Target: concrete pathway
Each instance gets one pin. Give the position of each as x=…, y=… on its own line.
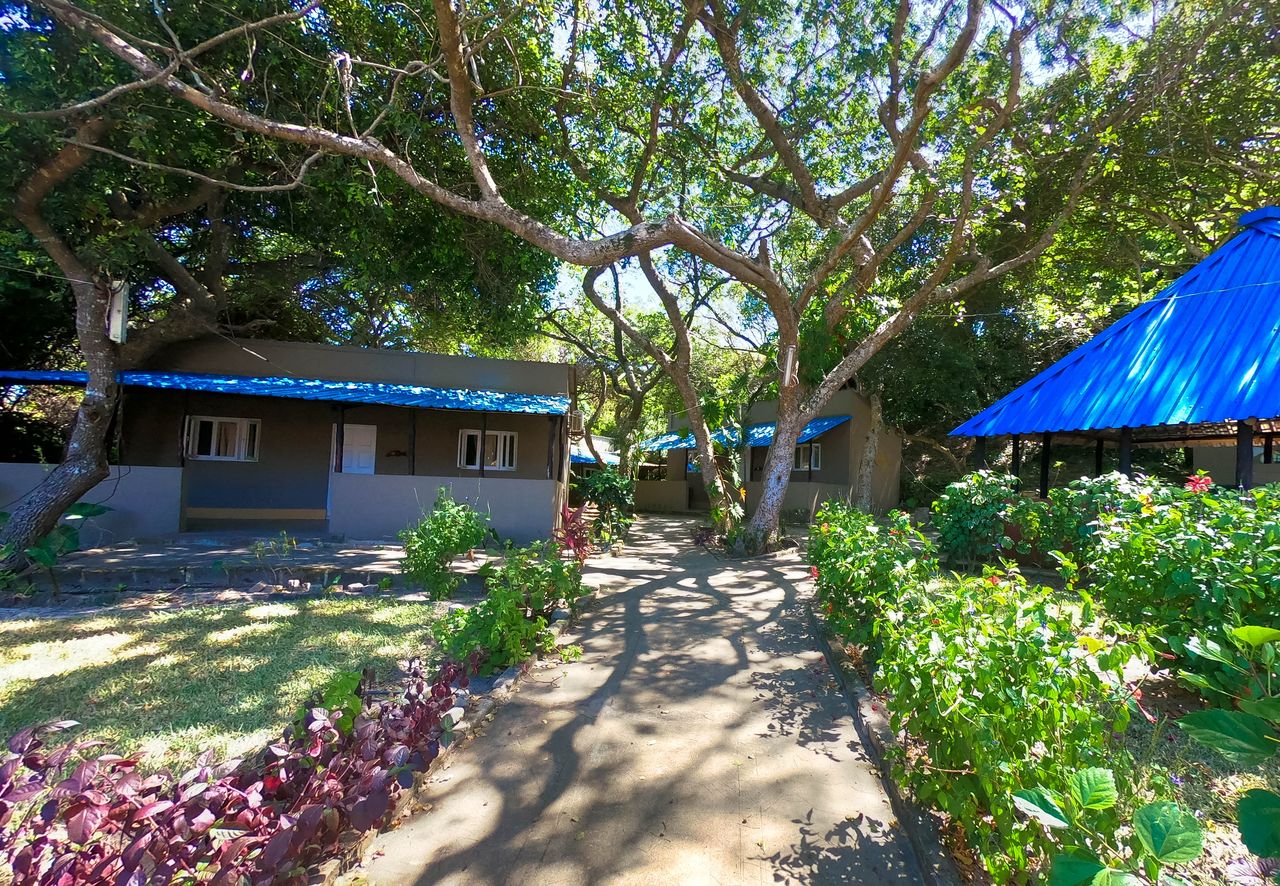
x=700, y=739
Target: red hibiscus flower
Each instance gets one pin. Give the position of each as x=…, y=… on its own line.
x=1198, y=483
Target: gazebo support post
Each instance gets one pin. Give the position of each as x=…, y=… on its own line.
x=1268, y=450
x=1244, y=455
x=1098, y=449
x=1015, y=458
x=980, y=454
x=1126, y=451
x=1045, y=448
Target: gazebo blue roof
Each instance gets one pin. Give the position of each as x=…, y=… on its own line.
x=1204, y=351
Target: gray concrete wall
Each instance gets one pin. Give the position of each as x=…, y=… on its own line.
x=661, y=496
x=371, y=506
x=1220, y=463
x=145, y=502
x=244, y=357
x=292, y=470
x=801, y=495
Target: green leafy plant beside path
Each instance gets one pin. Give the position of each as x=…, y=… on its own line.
x=512, y=621
x=1010, y=696
x=1084, y=821
x=451, y=529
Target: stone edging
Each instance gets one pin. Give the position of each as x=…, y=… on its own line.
x=470, y=709
x=873, y=728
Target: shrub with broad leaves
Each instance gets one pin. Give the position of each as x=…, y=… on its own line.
x=865, y=567
x=71, y=815
x=512, y=622
x=1001, y=687
x=1247, y=733
x=452, y=528
x=1084, y=821
x=969, y=515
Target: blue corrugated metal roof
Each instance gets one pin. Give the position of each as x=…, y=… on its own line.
x=1205, y=349
x=318, y=389
x=757, y=435
x=579, y=458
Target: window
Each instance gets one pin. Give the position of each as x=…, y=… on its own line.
x=499, y=450
x=808, y=457
x=223, y=439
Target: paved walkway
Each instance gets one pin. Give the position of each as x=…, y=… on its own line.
x=700, y=739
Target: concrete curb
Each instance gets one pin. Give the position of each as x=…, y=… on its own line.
x=473, y=709
x=873, y=727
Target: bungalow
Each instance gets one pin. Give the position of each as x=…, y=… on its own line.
x=253, y=435
x=827, y=460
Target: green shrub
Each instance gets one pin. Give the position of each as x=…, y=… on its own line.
x=1187, y=562
x=1247, y=736
x=862, y=567
x=1001, y=689
x=614, y=494
x=1083, y=820
x=452, y=528
x=970, y=515
x=982, y=518
x=512, y=622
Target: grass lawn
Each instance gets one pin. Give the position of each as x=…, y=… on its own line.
x=175, y=683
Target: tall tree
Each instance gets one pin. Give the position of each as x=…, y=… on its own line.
x=842, y=165
x=623, y=377
x=206, y=231
x=1182, y=172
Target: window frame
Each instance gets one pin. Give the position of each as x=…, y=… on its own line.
x=243, y=428
x=815, y=457
x=481, y=439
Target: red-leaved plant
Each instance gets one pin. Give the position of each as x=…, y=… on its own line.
x=574, y=535
x=69, y=818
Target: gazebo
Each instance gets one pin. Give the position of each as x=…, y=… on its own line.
x=1196, y=365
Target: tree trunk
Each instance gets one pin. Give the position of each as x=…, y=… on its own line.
x=762, y=531
x=85, y=464
x=864, y=489
x=626, y=436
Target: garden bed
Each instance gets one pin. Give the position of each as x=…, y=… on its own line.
x=1067, y=732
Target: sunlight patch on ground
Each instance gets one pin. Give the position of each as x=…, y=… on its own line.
x=230, y=635
x=271, y=610
x=221, y=677
x=34, y=661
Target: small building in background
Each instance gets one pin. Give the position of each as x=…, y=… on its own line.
x=583, y=462
x=1197, y=366
x=827, y=460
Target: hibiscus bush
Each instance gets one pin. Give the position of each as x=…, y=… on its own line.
x=982, y=517
x=970, y=515
x=75, y=815
x=863, y=567
x=1188, y=562
x=1001, y=688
